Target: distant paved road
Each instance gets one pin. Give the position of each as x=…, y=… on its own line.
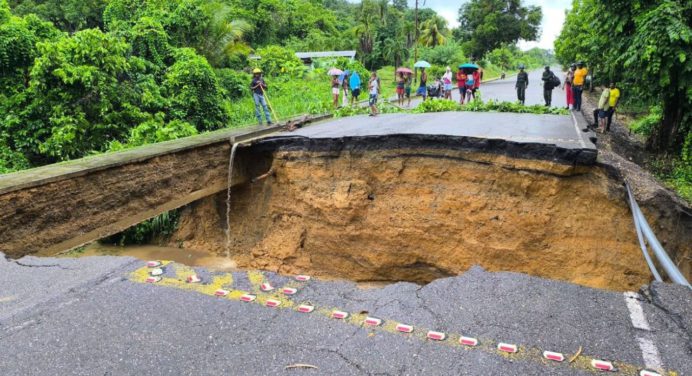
x=503, y=90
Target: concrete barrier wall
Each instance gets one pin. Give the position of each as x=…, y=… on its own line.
x=59, y=207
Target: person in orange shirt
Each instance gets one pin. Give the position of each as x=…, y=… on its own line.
x=578, y=84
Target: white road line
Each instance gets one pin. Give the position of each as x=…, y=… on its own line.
x=636, y=311
x=652, y=358
x=576, y=127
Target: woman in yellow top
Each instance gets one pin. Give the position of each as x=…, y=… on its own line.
x=578, y=84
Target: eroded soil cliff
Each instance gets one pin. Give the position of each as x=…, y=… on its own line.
x=417, y=215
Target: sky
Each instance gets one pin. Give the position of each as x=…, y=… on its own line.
x=553, y=17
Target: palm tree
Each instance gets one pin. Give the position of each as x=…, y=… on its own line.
x=394, y=50
x=223, y=37
x=432, y=32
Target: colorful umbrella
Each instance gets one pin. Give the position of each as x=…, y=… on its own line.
x=422, y=64
x=469, y=66
x=335, y=72
x=404, y=70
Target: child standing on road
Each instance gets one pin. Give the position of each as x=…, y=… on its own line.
x=374, y=87
x=400, y=89
x=407, y=89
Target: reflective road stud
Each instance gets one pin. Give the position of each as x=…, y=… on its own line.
x=221, y=292
x=155, y=272
x=468, y=341
x=602, y=365
x=506, y=347
x=272, y=303
x=558, y=357
x=194, y=279
x=248, y=298
x=153, y=264
x=153, y=279
x=436, y=336
x=339, y=315
x=289, y=291
x=373, y=321
x=302, y=278
x=306, y=308
x=404, y=328
x=646, y=372
x=266, y=287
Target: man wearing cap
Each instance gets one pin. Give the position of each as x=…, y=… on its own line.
x=578, y=84
x=522, y=84
x=258, y=87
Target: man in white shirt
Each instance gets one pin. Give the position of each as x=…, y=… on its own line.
x=374, y=87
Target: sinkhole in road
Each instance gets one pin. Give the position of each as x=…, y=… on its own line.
x=379, y=212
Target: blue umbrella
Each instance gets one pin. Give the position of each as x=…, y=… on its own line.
x=422, y=64
x=469, y=66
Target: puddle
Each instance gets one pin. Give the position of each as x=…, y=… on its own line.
x=152, y=252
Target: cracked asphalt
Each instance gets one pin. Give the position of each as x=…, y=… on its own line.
x=91, y=316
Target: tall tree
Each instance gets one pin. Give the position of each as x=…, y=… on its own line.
x=433, y=32
x=489, y=24
x=647, y=46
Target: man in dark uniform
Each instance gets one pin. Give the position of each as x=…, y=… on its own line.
x=547, y=86
x=522, y=84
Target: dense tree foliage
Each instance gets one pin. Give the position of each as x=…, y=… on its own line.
x=89, y=76
x=647, y=47
x=490, y=24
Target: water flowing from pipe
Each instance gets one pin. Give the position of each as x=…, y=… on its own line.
x=228, y=200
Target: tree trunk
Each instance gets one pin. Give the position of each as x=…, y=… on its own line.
x=668, y=137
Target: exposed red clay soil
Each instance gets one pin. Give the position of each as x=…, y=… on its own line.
x=391, y=215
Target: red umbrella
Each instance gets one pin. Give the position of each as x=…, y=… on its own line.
x=404, y=70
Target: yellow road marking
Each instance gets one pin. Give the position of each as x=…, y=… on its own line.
x=256, y=278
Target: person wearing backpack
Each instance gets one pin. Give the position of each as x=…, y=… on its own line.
x=549, y=83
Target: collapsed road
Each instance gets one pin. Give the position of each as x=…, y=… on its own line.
x=367, y=232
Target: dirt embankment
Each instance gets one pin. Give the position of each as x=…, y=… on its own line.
x=396, y=214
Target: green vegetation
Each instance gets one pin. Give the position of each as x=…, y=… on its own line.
x=490, y=24
x=84, y=77
x=488, y=106
x=157, y=228
x=646, y=46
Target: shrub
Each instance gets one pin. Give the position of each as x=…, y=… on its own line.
x=646, y=124
x=277, y=60
x=234, y=83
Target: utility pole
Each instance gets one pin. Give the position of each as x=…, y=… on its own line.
x=415, y=42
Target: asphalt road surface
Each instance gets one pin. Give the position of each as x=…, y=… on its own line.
x=503, y=91
x=558, y=130
x=98, y=316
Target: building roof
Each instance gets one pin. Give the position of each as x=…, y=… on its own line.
x=319, y=54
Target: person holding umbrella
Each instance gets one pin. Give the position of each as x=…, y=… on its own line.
x=335, y=90
x=403, y=85
x=400, y=88
x=423, y=87
x=258, y=87
x=472, y=80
